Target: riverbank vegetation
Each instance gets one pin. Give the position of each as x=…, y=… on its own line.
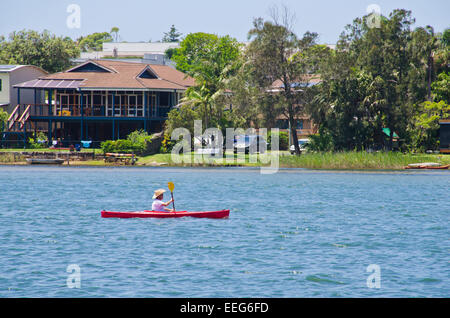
x=380, y=88
x=327, y=161
x=356, y=160
x=351, y=160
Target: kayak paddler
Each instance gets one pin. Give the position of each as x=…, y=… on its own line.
x=158, y=205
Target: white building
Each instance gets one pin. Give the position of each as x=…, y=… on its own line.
x=130, y=49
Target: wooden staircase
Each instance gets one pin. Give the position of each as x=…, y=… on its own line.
x=13, y=118
x=25, y=115
x=16, y=127
x=18, y=119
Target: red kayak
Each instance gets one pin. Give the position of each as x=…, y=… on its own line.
x=179, y=214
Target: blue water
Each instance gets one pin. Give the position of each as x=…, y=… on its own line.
x=297, y=233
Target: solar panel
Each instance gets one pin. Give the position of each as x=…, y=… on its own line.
x=7, y=67
x=50, y=83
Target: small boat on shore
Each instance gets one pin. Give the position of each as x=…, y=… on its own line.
x=427, y=165
x=42, y=161
x=152, y=214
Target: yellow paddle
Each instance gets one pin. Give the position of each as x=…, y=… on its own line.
x=171, y=187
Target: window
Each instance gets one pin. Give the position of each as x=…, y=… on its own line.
x=89, y=68
x=148, y=74
x=0, y=85
x=164, y=99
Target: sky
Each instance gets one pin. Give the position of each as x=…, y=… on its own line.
x=147, y=20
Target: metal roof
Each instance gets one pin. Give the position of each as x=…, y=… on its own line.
x=8, y=68
x=51, y=83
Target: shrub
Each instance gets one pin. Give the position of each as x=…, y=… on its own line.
x=38, y=143
x=283, y=138
x=136, y=142
x=321, y=142
x=139, y=138
x=167, y=144
x=120, y=146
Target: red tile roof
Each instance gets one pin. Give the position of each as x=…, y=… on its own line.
x=125, y=75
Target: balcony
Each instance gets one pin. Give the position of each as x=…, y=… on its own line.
x=74, y=110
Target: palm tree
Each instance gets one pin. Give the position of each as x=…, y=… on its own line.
x=115, y=33
x=200, y=97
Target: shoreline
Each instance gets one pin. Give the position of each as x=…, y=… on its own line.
x=346, y=161
x=281, y=168
x=241, y=168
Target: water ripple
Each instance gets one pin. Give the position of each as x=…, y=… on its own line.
x=298, y=233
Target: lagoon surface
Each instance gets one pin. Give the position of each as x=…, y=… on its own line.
x=297, y=233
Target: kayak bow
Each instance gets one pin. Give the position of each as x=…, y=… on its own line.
x=152, y=214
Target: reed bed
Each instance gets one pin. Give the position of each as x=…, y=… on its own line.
x=359, y=160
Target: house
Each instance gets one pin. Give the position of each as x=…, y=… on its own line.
x=304, y=124
x=11, y=75
x=99, y=100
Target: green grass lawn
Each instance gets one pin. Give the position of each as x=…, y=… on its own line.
x=196, y=160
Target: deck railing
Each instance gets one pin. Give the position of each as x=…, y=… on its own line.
x=127, y=111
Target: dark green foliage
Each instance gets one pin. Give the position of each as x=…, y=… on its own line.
x=43, y=49
x=211, y=60
x=118, y=146
x=136, y=143
x=376, y=79
x=167, y=144
x=172, y=36
x=94, y=41
x=322, y=142
x=283, y=140
x=3, y=119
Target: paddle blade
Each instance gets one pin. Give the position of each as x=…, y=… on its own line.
x=171, y=186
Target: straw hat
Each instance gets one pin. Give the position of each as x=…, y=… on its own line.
x=158, y=193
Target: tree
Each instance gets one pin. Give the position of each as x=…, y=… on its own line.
x=172, y=36
x=429, y=113
x=198, y=48
x=442, y=54
x=211, y=60
x=441, y=88
x=115, y=33
x=446, y=37
x=169, y=52
x=94, y=41
x=44, y=50
x=276, y=54
x=184, y=117
x=376, y=79
x=3, y=119
x=427, y=124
